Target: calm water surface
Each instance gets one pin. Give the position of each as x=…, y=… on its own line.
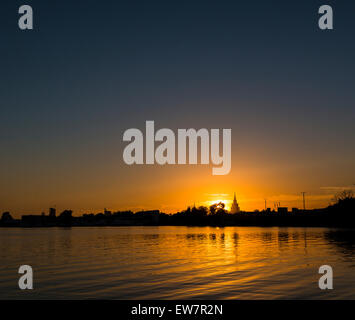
x=177, y=262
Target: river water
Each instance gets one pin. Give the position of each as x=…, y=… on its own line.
x=177, y=262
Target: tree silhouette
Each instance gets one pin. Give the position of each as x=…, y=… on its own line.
x=6, y=217
x=344, y=195
x=217, y=208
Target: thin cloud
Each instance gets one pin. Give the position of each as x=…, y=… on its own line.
x=334, y=189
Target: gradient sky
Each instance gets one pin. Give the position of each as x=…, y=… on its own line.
x=92, y=69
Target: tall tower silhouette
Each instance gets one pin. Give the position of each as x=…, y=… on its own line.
x=235, y=207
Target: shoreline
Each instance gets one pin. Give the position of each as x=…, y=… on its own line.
x=181, y=225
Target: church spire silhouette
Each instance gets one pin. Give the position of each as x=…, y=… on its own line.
x=235, y=206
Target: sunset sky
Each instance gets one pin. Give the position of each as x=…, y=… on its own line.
x=92, y=69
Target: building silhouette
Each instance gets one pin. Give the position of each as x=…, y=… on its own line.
x=235, y=206
x=52, y=212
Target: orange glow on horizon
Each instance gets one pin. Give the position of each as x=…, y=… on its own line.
x=225, y=201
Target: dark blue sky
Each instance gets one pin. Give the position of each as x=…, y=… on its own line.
x=91, y=69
